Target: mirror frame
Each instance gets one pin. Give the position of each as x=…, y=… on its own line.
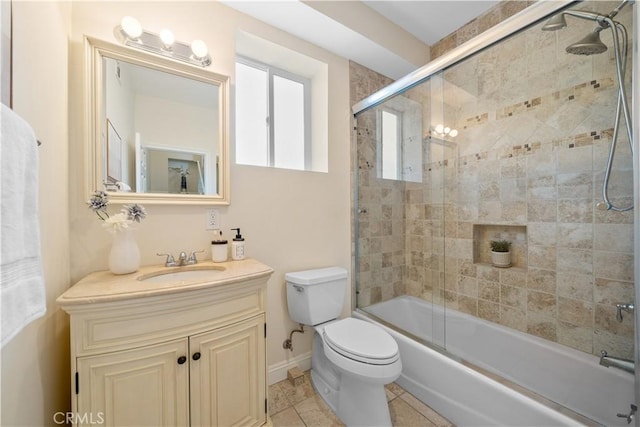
x=95, y=51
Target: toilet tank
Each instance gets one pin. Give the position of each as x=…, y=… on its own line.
x=316, y=296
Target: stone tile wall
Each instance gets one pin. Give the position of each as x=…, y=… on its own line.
x=535, y=125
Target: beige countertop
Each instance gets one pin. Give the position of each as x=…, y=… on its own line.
x=104, y=286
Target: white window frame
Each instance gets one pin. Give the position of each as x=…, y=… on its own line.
x=306, y=83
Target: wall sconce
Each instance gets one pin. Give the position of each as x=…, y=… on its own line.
x=442, y=130
x=131, y=33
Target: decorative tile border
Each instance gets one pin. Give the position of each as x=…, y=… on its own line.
x=568, y=94
x=573, y=141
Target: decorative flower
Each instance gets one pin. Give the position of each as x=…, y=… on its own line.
x=120, y=221
x=98, y=203
x=136, y=212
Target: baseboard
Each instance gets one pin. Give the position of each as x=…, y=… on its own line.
x=278, y=371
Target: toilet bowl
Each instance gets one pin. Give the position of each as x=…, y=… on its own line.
x=352, y=359
x=362, y=349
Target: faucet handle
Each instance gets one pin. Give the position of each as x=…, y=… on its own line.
x=192, y=258
x=630, y=415
x=170, y=262
x=629, y=307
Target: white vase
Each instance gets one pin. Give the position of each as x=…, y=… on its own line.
x=501, y=259
x=124, y=257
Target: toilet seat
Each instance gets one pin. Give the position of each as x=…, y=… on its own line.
x=361, y=341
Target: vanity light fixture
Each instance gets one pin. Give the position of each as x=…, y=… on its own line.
x=131, y=33
x=441, y=130
x=167, y=38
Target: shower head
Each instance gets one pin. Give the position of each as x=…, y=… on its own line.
x=557, y=22
x=589, y=45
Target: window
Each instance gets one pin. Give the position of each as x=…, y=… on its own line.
x=273, y=116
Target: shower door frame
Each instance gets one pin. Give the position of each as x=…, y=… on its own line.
x=532, y=14
x=635, y=118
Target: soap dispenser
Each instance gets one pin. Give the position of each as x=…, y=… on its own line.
x=237, y=246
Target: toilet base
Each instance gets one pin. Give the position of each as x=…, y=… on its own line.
x=361, y=404
x=355, y=402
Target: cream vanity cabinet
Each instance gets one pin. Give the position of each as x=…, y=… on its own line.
x=170, y=353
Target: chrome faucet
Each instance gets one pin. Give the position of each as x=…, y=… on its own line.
x=182, y=259
x=192, y=258
x=626, y=307
x=616, y=362
x=170, y=262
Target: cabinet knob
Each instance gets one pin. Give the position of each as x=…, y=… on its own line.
x=181, y=360
x=196, y=356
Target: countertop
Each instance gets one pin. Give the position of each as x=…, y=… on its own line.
x=104, y=286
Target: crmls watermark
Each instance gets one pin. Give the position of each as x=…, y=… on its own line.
x=79, y=418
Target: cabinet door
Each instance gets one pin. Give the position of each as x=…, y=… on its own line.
x=147, y=386
x=228, y=375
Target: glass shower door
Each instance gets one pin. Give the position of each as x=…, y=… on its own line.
x=398, y=217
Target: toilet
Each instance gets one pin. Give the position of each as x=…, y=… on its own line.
x=352, y=359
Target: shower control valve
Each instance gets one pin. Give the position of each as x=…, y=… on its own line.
x=623, y=307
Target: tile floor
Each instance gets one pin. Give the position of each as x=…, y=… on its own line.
x=300, y=406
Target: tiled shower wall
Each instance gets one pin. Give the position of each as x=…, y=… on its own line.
x=535, y=125
x=381, y=236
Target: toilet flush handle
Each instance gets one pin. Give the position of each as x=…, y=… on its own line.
x=298, y=288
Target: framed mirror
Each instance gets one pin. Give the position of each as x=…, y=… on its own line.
x=158, y=129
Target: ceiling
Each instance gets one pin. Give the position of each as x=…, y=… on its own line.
x=426, y=20
x=430, y=20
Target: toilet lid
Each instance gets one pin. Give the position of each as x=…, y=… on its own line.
x=362, y=341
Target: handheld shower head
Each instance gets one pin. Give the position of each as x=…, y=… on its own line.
x=589, y=45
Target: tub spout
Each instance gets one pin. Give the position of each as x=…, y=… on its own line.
x=616, y=362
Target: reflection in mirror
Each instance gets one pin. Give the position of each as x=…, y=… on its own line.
x=157, y=119
x=399, y=140
x=162, y=133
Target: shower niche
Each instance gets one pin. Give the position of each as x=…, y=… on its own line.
x=516, y=234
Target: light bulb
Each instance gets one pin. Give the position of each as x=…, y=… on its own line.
x=447, y=130
x=167, y=38
x=440, y=128
x=131, y=27
x=453, y=133
x=199, y=49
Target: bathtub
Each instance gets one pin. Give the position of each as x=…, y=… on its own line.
x=499, y=376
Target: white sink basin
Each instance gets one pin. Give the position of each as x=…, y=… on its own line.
x=182, y=274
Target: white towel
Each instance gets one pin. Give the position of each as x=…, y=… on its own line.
x=22, y=293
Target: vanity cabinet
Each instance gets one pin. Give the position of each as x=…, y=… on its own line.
x=143, y=386
x=170, y=354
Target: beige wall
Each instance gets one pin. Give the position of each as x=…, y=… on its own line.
x=35, y=364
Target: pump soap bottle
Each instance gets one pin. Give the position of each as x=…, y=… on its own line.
x=218, y=248
x=237, y=246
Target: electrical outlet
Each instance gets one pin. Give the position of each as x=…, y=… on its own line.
x=213, y=219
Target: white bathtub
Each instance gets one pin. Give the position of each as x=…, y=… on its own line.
x=568, y=377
